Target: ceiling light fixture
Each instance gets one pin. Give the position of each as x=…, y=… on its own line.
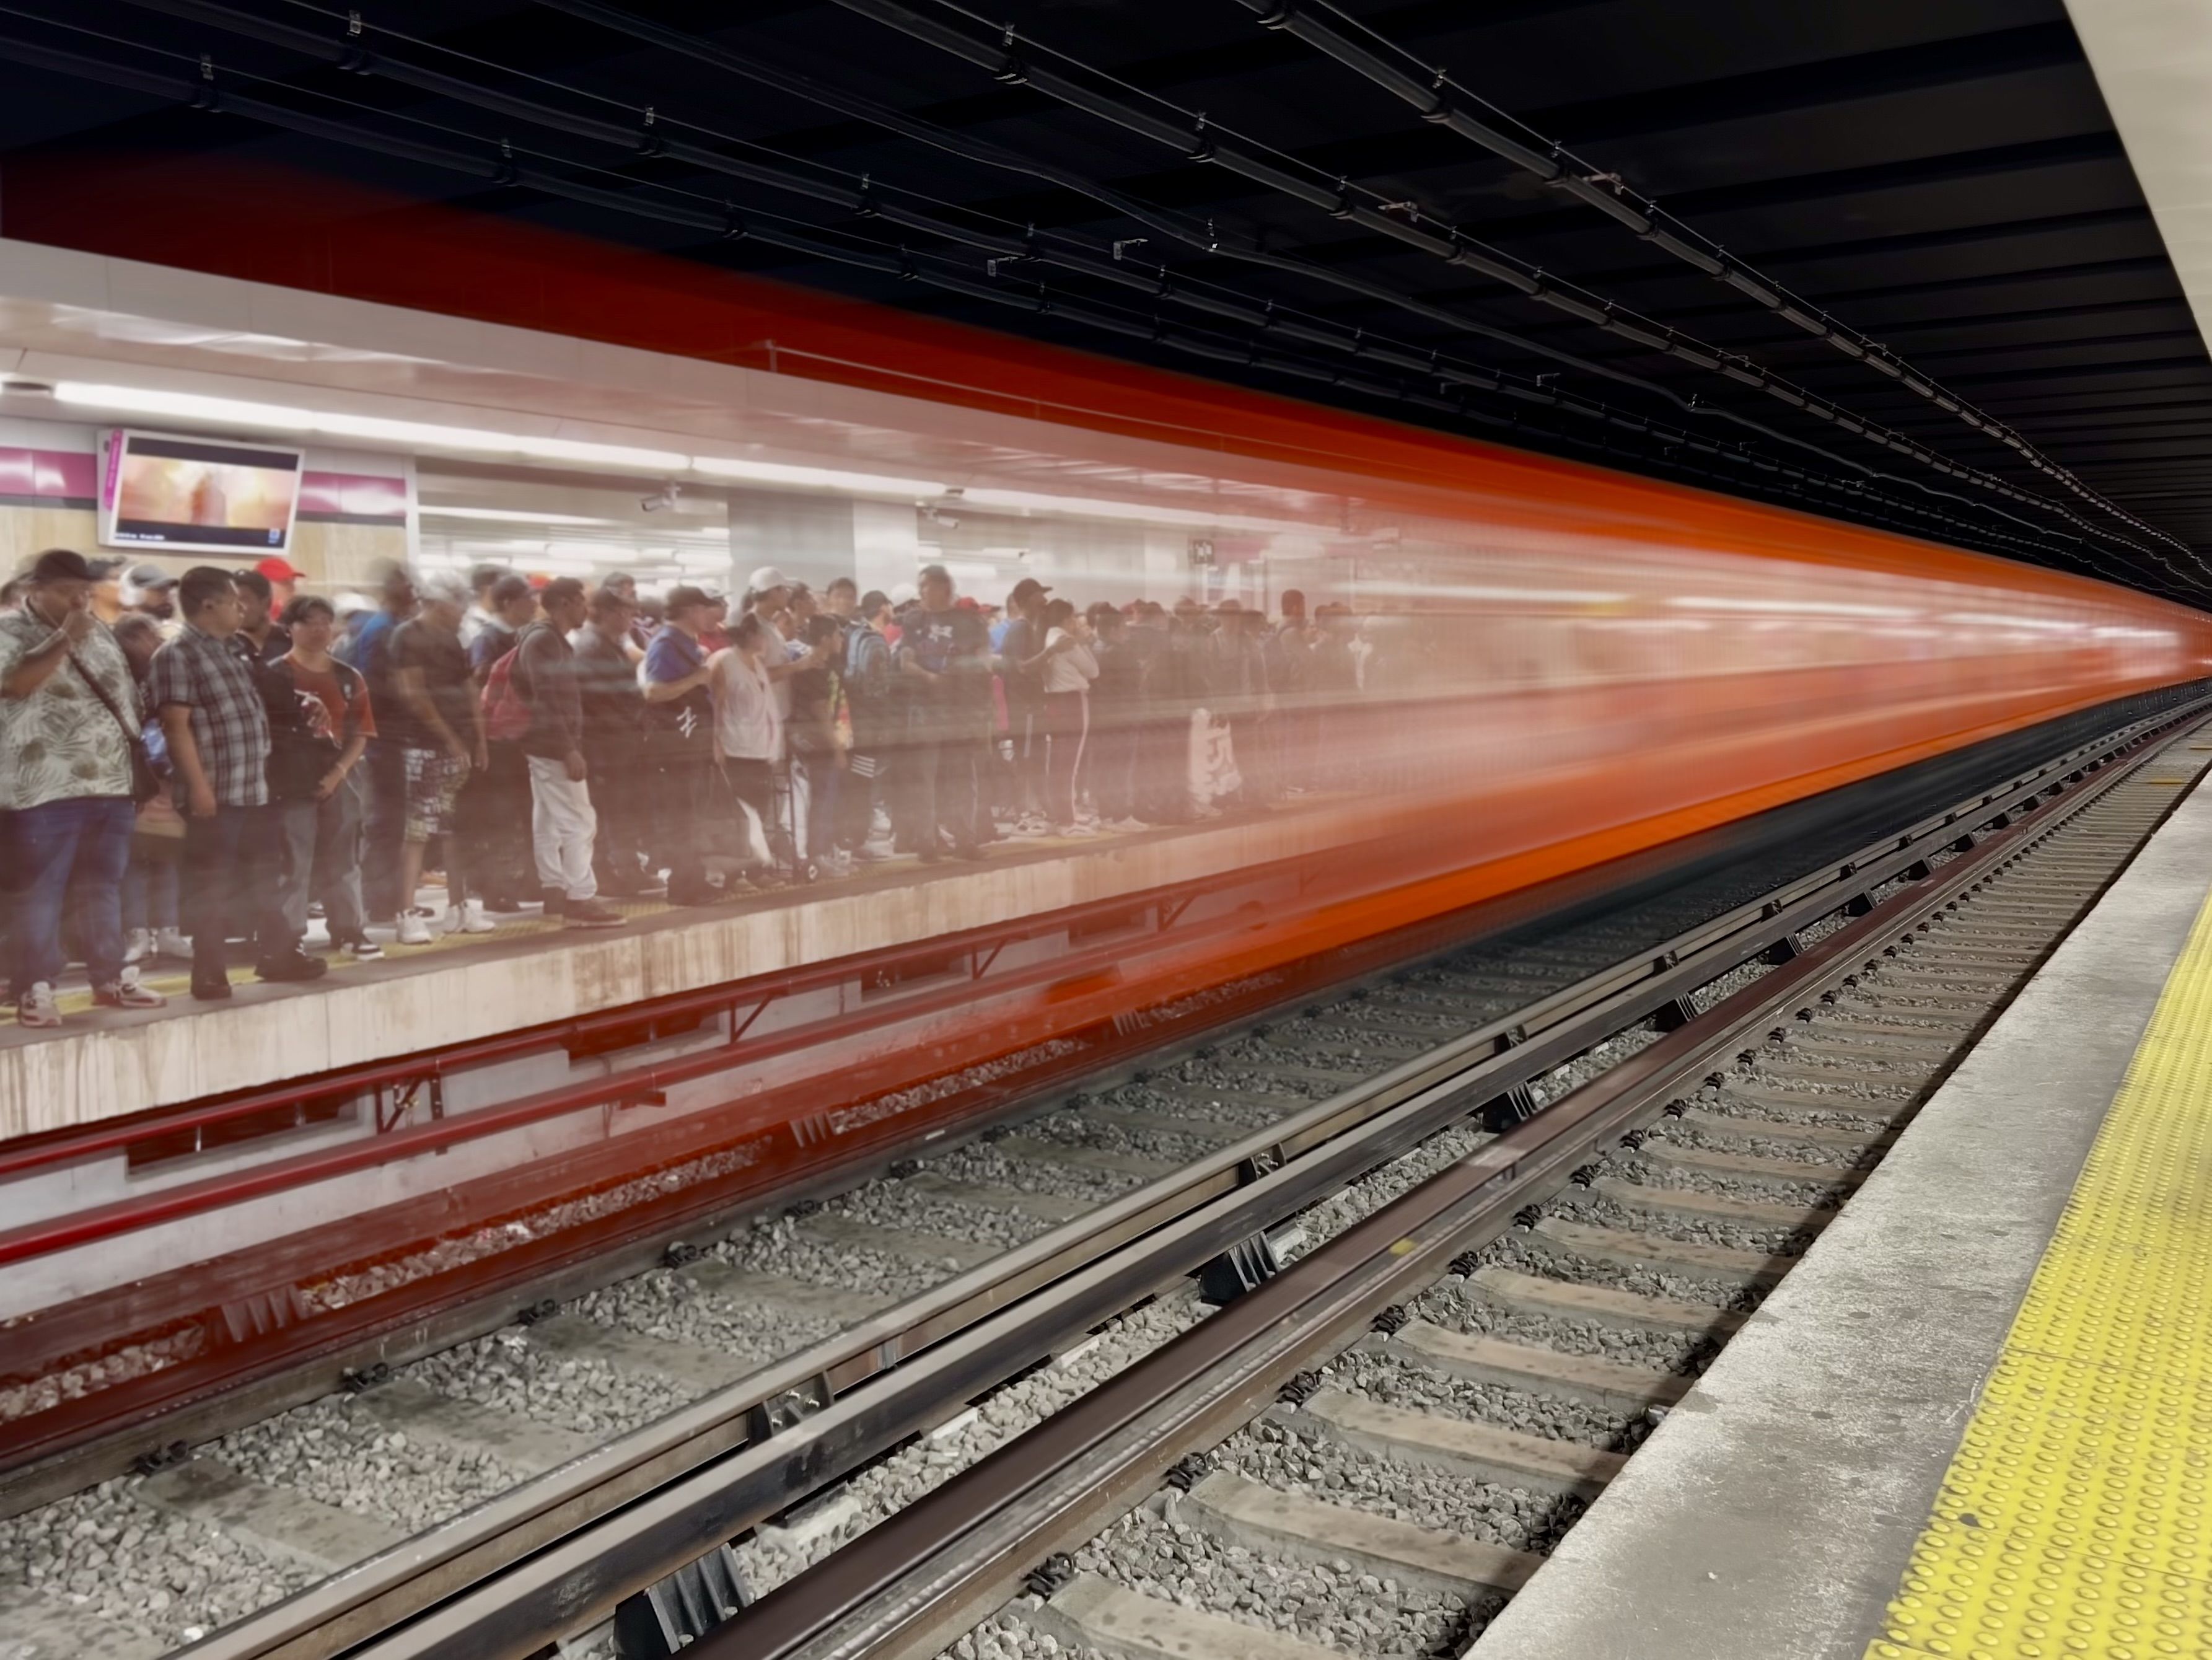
x=779, y=472
x=289, y=418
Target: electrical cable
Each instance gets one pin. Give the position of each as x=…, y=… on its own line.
x=717, y=219
x=1447, y=103
x=1200, y=140
x=351, y=53
x=1212, y=241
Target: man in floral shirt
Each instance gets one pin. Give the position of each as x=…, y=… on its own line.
x=68, y=718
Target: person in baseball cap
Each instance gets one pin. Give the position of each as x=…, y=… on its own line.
x=152, y=590
x=283, y=578
x=769, y=579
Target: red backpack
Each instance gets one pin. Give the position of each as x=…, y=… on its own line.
x=505, y=711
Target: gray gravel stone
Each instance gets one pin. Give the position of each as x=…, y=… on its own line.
x=1577, y=1206
x=1529, y=1254
x=1448, y=1305
x=1335, y=1605
x=889, y=1205
x=777, y=1246
x=159, y=1575
x=671, y=1305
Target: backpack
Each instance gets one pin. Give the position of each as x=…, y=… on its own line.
x=506, y=710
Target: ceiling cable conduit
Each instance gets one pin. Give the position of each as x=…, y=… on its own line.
x=723, y=222
x=1002, y=60
x=1212, y=240
x=1642, y=217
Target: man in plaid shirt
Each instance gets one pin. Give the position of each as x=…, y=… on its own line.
x=218, y=727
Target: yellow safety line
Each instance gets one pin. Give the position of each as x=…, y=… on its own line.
x=2075, y=1521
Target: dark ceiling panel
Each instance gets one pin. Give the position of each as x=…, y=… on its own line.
x=1940, y=175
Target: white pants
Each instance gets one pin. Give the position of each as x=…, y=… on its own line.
x=563, y=827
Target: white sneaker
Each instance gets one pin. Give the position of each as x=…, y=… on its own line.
x=413, y=930
x=1074, y=829
x=138, y=946
x=364, y=949
x=468, y=917
x=1130, y=825
x=173, y=942
x=36, y=1009
x=875, y=851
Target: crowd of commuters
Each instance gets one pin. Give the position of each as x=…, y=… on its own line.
x=195, y=766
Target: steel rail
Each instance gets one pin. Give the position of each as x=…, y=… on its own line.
x=583, y=1537
x=923, y=1576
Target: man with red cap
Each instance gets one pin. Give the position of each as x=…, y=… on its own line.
x=283, y=578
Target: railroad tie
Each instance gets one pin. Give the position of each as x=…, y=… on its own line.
x=1600, y=1382
x=274, y=1521
x=1093, y=1613
x=1669, y=1156
x=1461, y=1446
x=1242, y=1511
x=1638, y=1196
x=1656, y=1252
x=1568, y=1299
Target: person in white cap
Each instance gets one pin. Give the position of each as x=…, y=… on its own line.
x=153, y=591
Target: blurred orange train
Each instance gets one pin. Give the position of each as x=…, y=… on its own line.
x=1576, y=668
x=1590, y=665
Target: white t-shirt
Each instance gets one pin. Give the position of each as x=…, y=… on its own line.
x=1072, y=670
x=748, y=725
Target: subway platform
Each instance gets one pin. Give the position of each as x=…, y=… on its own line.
x=1975, y=1421
x=531, y=971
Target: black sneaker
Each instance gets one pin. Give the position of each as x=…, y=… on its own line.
x=295, y=965
x=591, y=914
x=209, y=990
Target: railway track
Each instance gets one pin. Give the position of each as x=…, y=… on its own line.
x=1388, y=1499
x=642, y=1402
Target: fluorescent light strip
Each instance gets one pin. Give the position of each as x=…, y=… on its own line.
x=1787, y=607
x=284, y=417
x=1499, y=594
x=1998, y=620
x=515, y=516
x=1084, y=507
x=779, y=472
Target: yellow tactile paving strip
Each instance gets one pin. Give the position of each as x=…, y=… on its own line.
x=2075, y=1521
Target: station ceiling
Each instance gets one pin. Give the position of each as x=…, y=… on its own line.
x=1888, y=261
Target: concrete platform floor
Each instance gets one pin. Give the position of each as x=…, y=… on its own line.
x=105, y=1062
x=1772, y=1515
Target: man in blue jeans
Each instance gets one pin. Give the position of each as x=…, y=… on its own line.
x=68, y=717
